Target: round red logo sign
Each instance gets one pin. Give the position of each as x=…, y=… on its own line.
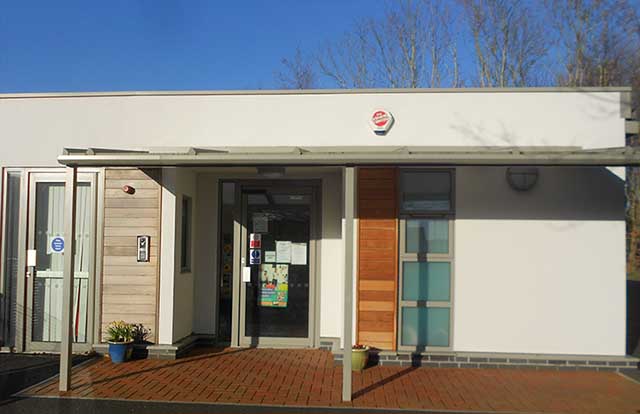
x=381, y=118
x=381, y=121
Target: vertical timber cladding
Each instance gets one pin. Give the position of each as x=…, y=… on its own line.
x=377, y=257
x=130, y=289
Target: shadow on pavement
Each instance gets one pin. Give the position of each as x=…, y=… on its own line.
x=19, y=371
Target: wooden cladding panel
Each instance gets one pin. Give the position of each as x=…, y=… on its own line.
x=377, y=257
x=130, y=289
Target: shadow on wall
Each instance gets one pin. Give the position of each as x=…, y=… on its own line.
x=561, y=193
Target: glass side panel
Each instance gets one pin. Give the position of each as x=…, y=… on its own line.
x=427, y=236
x=426, y=191
x=185, y=235
x=226, y=260
x=47, y=283
x=8, y=305
x=425, y=326
x=426, y=281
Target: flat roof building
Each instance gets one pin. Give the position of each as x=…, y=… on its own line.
x=414, y=221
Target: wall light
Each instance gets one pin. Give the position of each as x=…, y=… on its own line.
x=129, y=189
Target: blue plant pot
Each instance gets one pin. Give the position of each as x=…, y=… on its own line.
x=120, y=351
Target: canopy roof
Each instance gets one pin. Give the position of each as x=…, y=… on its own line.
x=364, y=155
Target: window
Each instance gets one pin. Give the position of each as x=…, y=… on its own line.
x=185, y=247
x=426, y=259
x=426, y=191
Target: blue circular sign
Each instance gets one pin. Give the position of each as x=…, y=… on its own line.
x=57, y=244
x=255, y=254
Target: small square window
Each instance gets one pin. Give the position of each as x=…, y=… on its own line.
x=185, y=246
x=426, y=281
x=425, y=326
x=426, y=191
x=427, y=236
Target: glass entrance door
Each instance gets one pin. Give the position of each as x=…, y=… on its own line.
x=277, y=281
x=44, y=280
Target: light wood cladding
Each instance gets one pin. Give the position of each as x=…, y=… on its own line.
x=130, y=289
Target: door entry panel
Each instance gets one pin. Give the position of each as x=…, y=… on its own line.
x=277, y=290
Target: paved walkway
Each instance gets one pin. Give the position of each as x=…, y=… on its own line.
x=309, y=378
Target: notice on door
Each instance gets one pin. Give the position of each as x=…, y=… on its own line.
x=298, y=253
x=255, y=257
x=246, y=274
x=255, y=241
x=283, y=251
x=270, y=256
x=274, y=285
x=260, y=223
x=55, y=244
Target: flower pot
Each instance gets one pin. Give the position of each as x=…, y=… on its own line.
x=120, y=351
x=359, y=359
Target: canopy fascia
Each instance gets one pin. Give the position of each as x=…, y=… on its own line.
x=340, y=156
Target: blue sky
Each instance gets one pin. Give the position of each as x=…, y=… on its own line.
x=63, y=45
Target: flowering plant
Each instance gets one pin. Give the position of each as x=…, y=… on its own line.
x=359, y=346
x=119, y=331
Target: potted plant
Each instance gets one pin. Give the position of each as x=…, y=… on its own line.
x=120, y=338
x=140, y=341
x=359, y=357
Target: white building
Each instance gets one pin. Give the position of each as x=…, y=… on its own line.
x=485, y=221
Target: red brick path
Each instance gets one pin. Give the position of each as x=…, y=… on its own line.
x=309, y=377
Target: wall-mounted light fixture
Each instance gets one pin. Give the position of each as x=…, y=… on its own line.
x=271, y=172
x=522, y=178
x=129, y=189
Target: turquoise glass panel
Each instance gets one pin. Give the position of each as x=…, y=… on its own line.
x=425, y=326
x=430, y=281
x=427, y=236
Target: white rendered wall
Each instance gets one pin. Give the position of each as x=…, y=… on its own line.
x=39, y=128
x=205, y=295
x=542, y=271
x=183, y=284
x=167, y=256
x=176, y=287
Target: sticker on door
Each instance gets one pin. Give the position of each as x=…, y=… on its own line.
x=255, y=257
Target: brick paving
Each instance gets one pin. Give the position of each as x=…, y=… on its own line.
x=310, y=378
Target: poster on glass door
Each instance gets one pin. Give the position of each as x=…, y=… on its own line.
x=274, y=285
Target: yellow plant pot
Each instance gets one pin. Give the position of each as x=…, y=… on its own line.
x=359, y=359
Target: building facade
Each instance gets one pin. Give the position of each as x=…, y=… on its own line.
x=486, y=221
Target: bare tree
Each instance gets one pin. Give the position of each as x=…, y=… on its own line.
x=298, y=73
x=509, y=42
x=598, y=43
x=348, y=62
x=410, y=46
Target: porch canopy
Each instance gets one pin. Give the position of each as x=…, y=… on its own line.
x=347, y=157
x=362, y=155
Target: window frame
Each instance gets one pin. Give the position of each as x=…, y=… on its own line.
x=404, y=256
x=186, y=248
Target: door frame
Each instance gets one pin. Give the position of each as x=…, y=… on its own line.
x=38, y=176
x=239, y=245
